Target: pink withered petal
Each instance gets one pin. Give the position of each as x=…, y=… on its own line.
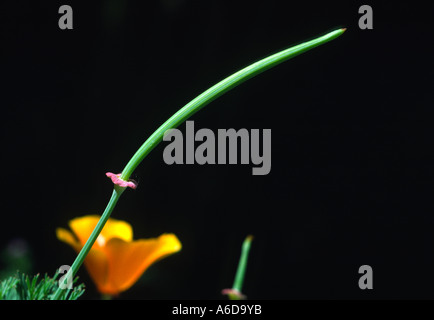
x=234, y=292
x=116, y=178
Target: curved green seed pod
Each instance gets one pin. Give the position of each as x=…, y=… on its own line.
x=217, y=90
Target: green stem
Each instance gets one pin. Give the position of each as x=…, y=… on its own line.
x=117, y=192
x=183, y=114
x=242, y=264
x=217, y=90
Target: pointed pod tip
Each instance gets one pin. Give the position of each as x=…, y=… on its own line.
x=344, y=29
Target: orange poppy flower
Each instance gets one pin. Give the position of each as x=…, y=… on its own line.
x=115, y=262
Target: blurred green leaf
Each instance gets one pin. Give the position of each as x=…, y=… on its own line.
x=23, y=287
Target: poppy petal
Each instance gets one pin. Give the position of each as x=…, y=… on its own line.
x=97, y=266
x=67, y=237
x=117, y=229
x=128, y=261
x=83, y=227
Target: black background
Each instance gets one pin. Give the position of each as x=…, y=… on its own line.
x=352, y=176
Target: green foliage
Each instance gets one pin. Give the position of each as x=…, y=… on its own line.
x=23, y=287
